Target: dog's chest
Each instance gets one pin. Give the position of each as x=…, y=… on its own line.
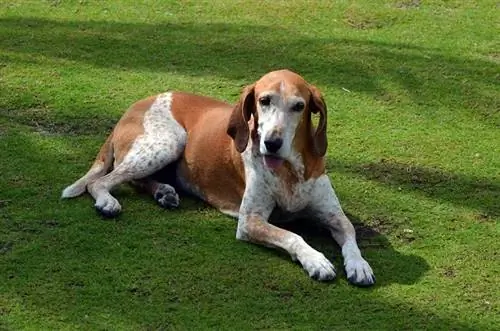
x=289, y=196
x=286, y=187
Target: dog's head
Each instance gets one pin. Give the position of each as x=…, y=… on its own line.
x=280, y=103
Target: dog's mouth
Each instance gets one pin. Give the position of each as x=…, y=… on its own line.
x=273, y=161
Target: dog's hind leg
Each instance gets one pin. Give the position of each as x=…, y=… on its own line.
x=162, y=143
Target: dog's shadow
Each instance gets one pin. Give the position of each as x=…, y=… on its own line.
x=389, y=265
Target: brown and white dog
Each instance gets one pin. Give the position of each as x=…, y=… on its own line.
x=261, y=155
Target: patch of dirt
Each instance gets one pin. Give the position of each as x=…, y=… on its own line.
x=406, y=235
x=485, y=218
x=371, y=232
x=4, y=310
x=27, y=227
x=374, y=231
x=365, y=232
x=4, y=203
x=76, y=284
x=388, y=98
x=449, y=272
x=16, y=181
x=139, y=291
x=495, y=57
x=391, y=173
x=283, y=294
x=364, y=20
x=43, y=122
x=49, y=223
x=408, y=4
x=73, y=127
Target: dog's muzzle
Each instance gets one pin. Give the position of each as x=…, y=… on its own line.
x=273, y=145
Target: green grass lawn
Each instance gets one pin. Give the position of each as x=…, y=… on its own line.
x=413, y=90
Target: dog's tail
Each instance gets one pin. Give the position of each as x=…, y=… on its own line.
x=101, y=167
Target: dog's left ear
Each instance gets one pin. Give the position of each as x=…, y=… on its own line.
x=317, y=105
x=238, y=127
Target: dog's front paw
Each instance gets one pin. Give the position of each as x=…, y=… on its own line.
x=108, y=206
x=317, y=266
x=166, y=196
x=359, y=272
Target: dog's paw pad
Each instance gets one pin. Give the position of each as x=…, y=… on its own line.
x=166, y=196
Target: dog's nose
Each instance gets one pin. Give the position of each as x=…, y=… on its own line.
x=273, y=145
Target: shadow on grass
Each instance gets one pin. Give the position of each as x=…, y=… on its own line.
x=389, y=265
x=244, y=52
x=33, y=114
x=482, y=194
x=158, y=289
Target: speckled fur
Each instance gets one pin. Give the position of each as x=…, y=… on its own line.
x=161, y=143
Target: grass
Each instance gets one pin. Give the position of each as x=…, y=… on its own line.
x=413, y=95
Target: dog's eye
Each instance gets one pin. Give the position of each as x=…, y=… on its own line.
x=299, y=106
x=265, y=100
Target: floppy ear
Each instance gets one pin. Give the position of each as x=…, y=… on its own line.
x=317, y=105
x=238, y=122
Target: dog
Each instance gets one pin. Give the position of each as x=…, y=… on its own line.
x=260, y=157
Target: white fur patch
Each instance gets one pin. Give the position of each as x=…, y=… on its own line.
x=230, y=213
x=163, y=140
x=272, y=187
x=276, y=120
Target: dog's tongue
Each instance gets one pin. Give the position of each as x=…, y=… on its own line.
x=272, y=162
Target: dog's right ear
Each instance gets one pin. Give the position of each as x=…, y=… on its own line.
x=238, y=122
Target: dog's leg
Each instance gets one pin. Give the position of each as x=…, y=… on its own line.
x=254, y=227
x=327, y=208
x=162, y=143
x=163, y=193
x=145, y=158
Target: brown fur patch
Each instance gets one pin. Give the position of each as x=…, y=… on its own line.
x=210, y=161
x=259, y=231
x=314, y=165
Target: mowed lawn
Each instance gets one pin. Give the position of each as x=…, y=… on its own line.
x=413, y=90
